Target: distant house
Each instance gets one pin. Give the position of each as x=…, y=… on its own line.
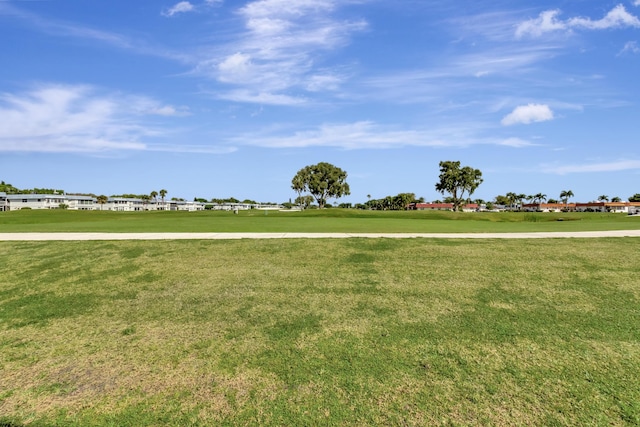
x=469, y=207
x=431, y=206
x=122, y=204
x=81, y=203
x=614, y=207
x=548, y=207
x=3, y=202
x=35, y=201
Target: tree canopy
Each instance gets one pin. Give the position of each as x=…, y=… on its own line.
x=400, y=201
x=457, y=181
x=323, y=181
x=565, y=195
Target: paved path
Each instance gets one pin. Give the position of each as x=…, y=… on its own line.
x=230, y=236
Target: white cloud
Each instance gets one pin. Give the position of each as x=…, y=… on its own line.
x=66, y=29
x=516, y=143
x=618, y=17
x=525, y=114
x=181, y=7
x=64, y=118
x=364, y=134
x=235, y=68
x=186, y=6
x=636, y=3
x=370, y=135
x=281, y=48
x=631, y=47
x=545, y=22
x=265, y=98
x=320, y=82
x=617, y=166
x=548, y=21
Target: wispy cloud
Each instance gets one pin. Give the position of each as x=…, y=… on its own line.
x=280, y=50
x=616, y=166
x=371, y=135
x=549, y=21
x=516, y=143
x=186, y=6
x=630, y=47
x=60, y=28
x=530, y=113
x=78, y=118
x=181, y=7
x=64, y=28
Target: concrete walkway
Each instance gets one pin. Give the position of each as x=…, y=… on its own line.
x=233, y=236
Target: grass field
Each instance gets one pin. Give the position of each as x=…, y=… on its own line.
x=328, y=220
x=320, y=332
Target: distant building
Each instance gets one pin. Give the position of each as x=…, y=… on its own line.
x=431, y=206
x=3, y=202
x=469, y=207
x=122, y=204
x=614, y=207
x=548, y=207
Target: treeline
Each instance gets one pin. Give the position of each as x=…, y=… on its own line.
x=10, y=189
x=513, y=199
x=398, y=202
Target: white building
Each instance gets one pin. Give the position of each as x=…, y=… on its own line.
x=3, y=202
x=35, y=201
x=122, y=204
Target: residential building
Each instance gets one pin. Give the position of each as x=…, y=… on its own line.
x=469, y=207
x=35, y=201
x=614, y=207
x=431, y=206
x=548, y=207
x=3, y=202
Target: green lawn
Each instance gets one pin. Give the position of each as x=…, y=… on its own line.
x=320, y=332
x=328, y=220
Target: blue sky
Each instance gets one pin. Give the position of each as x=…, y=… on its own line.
x=221, y=98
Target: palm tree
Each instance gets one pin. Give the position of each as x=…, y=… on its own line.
x=511, y=197
x=145, y=200
x=521, y=197
x=102, y=199
x=163, y=193
x=565, y=195
x=540, y=197
x=616, y=199
x=603, y=198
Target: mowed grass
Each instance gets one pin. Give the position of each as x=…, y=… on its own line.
x=320, y=332
x=311, y=221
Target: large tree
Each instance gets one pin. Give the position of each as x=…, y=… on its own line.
x=457, y=181
x=323, y=181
